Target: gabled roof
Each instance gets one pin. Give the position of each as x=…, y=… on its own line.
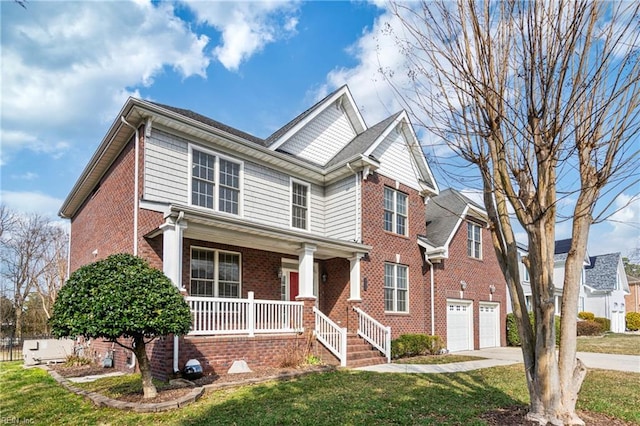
x=445, y=212
x=213, y=123
x=602, y=274
x=363, y=141
x=281, y=135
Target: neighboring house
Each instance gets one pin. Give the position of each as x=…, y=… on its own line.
x=605, y=288
x=469, y=298
x=313, y=229
x=632, y=300
x=561, y=249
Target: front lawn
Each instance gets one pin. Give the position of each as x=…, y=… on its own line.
x=344, y=397
x=611, y=343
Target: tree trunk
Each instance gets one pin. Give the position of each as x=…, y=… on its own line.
x=140, y=351
x=545, y=400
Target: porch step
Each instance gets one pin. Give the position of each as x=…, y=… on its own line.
x=361, y=354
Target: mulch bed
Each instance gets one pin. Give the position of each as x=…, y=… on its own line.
x=515, y=416
x=80, y=370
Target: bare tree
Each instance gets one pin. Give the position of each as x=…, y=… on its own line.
x=543, y=98
x=23, y=249
x=54, y=273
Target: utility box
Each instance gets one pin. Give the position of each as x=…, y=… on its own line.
x=45, y=351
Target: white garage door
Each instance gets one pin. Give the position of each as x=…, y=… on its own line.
x=459, y=326
x=489, y=325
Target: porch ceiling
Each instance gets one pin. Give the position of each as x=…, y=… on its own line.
x=238, y=232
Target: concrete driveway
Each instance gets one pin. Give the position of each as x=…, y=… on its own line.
x=506, y=356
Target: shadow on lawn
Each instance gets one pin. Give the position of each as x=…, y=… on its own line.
x=351, y=397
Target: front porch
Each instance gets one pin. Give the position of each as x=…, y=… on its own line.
x=240, y=319
x=259, y=294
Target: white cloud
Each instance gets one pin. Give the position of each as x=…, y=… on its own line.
x=246, y=27
x=621, y=232
x=25, y=176
x=31, y=202
x=68, y=65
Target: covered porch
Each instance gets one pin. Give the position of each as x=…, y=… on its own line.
x=246, y=280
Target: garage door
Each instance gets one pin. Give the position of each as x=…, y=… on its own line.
x=459, y=326
x=489, y=325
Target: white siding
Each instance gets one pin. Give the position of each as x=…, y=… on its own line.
x=340, y=213
x=317, y=210
x=266, y=195
x=322, y=138
x=166, y=162
x=395, y=160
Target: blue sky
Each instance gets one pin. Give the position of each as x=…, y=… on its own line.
x=68, y=67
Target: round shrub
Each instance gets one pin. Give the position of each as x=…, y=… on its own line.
x=589, y=316
x=633, y=321
x=588, y=328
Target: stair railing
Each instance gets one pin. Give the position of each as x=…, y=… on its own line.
x=332, y=336
x=378, y=335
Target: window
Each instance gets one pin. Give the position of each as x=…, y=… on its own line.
x=205, y=167
x=229, y=186
x=202, y=179
x=215, y=273
x=396, y=288
x=299, y=205
x=395, y=211
x=474, y=242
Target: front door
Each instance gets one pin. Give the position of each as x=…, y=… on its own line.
x=293, y=286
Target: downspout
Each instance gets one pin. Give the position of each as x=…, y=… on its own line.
x=433, y=317
x=135, y=188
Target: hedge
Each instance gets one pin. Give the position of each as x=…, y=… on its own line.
x=589, y=328
x=605, y=323
x=513, y=338
x=415, y=344
x=633, y=321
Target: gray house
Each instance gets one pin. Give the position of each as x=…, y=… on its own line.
x=605, y=288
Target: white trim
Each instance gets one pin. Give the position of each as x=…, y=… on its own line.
x=216, y=263
x=343, y=91
x=293, y=180
x=216, y=182
x=473, y=240
x=418, y=157
x=395, y=214
x=395, y=289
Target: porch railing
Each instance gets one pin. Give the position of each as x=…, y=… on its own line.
x=218, y=315
x=375, y=333
x=331, y=336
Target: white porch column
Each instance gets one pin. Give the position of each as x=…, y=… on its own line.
x=172, y=232
x=305, y=271
x=354, y=277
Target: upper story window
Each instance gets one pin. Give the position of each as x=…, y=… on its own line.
x=215, y=273
x=395, y=211
x=299, y=205
x=215, y=182
x=396, y=288
x=474, y=240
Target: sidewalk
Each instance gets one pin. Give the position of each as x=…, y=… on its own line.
x=506, y=356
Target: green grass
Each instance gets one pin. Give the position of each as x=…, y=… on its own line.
x=437, y=359
x=342, y=397
x=611, y=343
